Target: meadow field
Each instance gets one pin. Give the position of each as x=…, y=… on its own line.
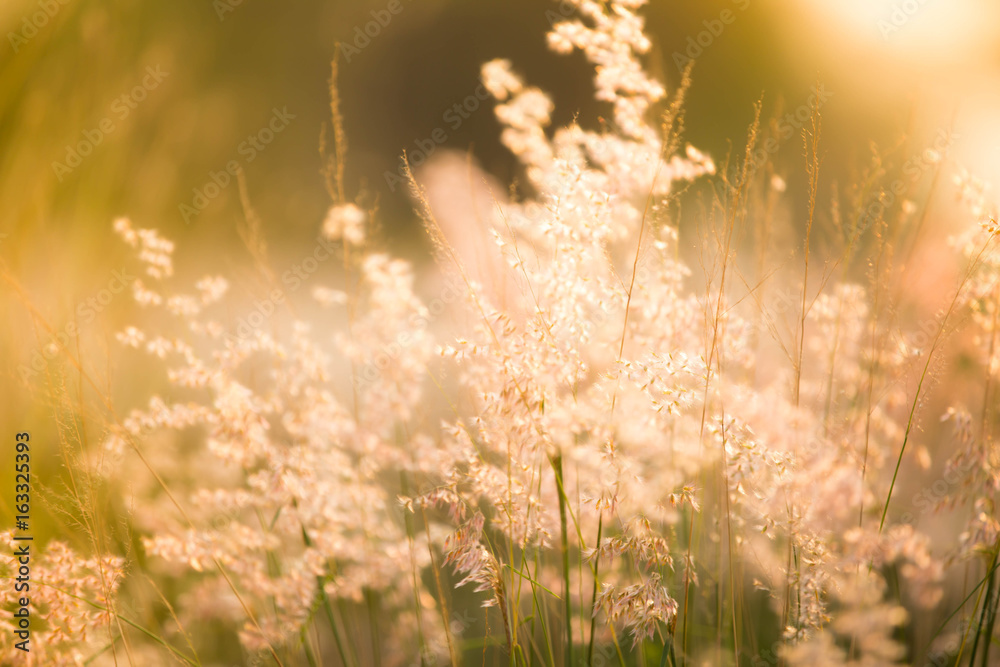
x=588, y=332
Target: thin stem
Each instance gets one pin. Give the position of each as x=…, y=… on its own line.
x=593, y=595
x=923, y=377
x=557, y=465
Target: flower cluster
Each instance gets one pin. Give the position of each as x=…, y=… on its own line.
x=561, y=447
x=71, y=608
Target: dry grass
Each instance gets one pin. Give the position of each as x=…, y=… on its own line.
x=625, y=461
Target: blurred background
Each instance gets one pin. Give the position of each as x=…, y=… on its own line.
x=129, y=108
x=894, y=68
